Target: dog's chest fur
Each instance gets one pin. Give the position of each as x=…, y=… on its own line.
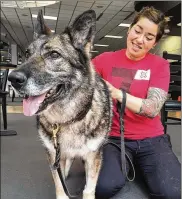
x=74, y=139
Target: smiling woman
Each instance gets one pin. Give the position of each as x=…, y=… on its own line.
x=145, y=78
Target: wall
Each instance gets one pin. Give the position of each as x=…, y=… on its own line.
x=171, y=44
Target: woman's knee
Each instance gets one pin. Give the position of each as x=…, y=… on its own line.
x=107, y=189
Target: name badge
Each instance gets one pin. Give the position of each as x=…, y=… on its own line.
x=142, y=75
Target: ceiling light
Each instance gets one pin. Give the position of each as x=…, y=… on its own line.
x=94, y=51
x=124, y=24
x=45, y=17
x=179, y=24
x=101, y=45
x=26, y=4
x=115, y=37
x=100, y=6
x=24, y=15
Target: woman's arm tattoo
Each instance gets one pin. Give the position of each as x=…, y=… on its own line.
x=154, y=102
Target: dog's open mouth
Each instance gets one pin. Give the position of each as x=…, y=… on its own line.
x=33, y=104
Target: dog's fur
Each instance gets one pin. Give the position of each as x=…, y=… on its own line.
x=77, y=99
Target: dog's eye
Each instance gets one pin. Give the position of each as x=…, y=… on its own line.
x=54, y=55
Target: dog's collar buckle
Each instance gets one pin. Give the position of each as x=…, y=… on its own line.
x=55, y=129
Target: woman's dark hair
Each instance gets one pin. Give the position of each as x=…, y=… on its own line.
x=155, y=16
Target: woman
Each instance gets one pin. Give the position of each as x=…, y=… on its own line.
x=145, y=78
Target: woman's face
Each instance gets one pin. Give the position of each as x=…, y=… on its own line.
x=141, y=38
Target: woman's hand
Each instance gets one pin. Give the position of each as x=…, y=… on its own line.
x=115, y=93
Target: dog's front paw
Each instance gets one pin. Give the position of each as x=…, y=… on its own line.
x=62, y=197
x=88, y=195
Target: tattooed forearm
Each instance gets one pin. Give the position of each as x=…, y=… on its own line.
x=152, y=105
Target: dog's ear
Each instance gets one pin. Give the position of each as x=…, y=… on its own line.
x=40, y=27
x=83, y=29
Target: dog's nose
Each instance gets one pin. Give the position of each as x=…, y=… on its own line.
x=17, y=79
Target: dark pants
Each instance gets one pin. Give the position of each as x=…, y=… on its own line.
x=154, y=157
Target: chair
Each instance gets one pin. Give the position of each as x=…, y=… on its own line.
x=174, y=91
x=3, y=94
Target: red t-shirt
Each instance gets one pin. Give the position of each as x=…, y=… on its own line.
x=135, y=77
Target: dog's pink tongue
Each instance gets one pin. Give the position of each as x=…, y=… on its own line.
x=31, y=105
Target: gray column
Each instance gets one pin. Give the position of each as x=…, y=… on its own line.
x=14, y=54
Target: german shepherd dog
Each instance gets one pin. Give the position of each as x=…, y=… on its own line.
x=61, y=87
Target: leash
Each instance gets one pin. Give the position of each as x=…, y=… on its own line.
x=56, y=165
x=124, y=155
x=121, y=109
